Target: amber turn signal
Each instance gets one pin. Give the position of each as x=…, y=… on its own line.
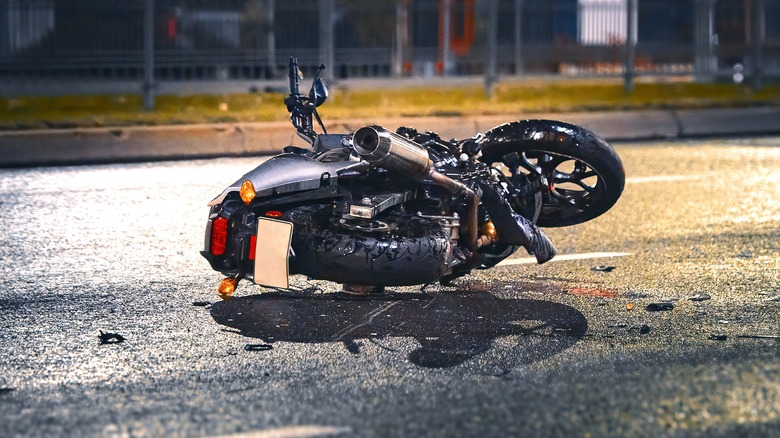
x=490, y=230
x=228, y=286
x=247, y=192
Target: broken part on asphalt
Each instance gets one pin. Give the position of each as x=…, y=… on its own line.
x=110, y=338
x=258, y=347
x=700, y=297
x=659, y=307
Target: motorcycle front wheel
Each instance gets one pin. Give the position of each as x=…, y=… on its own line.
x=580, y=175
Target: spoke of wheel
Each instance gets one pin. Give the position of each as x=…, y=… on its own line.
x=561, y=197
x=578, y=182
x=549, y=166
x=562, y=177
x=528, y=165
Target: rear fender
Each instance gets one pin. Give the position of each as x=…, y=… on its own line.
x=289, y=173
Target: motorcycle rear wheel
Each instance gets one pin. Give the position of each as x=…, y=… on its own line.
x=395, y=250
x=580, y=174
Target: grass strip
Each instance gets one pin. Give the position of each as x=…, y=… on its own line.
x=515, y=97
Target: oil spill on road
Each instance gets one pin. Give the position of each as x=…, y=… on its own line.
x=450, y=327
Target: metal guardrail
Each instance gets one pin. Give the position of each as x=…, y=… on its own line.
x=251, y=39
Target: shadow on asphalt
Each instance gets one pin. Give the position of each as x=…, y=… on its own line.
x=450, y=327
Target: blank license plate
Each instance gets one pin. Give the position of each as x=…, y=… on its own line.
x=271, y=253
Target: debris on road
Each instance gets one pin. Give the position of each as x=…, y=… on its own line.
x=110, y=338
x=630, y=306
x=201, y=303
x=718, y=337
x=6, y=390
x=258, y=347
x=659, y=307
x=603, y=268
x=700, y=297
x=645, y=329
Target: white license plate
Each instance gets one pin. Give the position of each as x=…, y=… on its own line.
x=271, y=253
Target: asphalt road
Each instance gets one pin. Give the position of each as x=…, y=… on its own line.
x=519, y=350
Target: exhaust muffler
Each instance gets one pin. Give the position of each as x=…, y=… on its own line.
x=387, y=149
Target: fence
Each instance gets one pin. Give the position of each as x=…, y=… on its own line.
x=184, y=40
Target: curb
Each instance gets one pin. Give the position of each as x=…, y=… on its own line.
x=133, y=144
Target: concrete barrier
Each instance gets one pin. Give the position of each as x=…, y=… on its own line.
x=125, y=144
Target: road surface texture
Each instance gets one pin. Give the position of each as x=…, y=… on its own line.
x=561, y=349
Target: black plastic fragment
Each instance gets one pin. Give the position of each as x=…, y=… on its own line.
x=659, y=307
x=258, y=347
x=201, y=303
x=700, y=297
x=718, y=337
x=110, y=338
x=645, y=329
x=603, y=268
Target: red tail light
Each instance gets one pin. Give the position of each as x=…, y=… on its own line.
x=252, y=247
x=219, y=231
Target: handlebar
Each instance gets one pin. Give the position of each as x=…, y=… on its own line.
x=294, y=77
x=300, y=107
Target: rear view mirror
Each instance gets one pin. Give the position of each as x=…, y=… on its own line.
x=318, y=93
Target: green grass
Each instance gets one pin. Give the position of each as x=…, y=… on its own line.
x=515, y=97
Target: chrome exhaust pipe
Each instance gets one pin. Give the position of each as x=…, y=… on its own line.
x=387, y=149
x=396, y=153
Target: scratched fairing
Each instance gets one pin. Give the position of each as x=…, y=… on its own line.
x=375, y=208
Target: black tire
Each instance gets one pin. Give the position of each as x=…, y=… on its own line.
x=581, y=175
x=398, y=250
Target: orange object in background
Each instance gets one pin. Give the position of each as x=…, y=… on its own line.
x=460, y=44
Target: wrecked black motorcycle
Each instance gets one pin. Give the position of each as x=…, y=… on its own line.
x=375, y=208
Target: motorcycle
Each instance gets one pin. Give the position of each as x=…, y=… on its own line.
x=375, y=208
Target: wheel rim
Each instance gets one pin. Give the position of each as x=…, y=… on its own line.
x=569, y=185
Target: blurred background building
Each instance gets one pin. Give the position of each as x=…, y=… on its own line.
x=189, y=40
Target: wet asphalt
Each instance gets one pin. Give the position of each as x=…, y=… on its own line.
x=679, y=338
